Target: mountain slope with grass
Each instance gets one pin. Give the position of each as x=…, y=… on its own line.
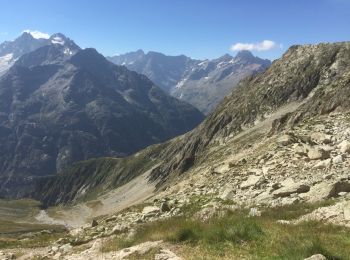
x=264, y=176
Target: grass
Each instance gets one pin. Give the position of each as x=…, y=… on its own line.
x=17, y=228
x=236, y=236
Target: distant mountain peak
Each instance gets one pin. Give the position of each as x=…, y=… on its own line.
x=244, y=54
x=36, y=34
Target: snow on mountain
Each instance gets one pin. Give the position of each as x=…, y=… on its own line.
x=37, y=34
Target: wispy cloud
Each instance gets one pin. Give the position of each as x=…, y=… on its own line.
x=265, y=45
x=4, y=33
x=37, y=34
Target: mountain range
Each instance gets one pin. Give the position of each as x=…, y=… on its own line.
x=202, y=83
x=60, y=104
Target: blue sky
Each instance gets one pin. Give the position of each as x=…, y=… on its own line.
x=197, y=28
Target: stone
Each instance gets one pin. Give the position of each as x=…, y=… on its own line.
x=66, y=248
x=338, y=159
x=283, y=222
x=227, y=194
x=291, y=188
x=94, y=223
x=344, y=146
x=346, y=210
x=166, y=254
x=119, y=228
x=286, y=140
x=150, y=209
x=318, y=154
x=323, y=164
x=165, y=207
x=254, y=212
x=321, y=138
x=316, y=257
x=252, y=180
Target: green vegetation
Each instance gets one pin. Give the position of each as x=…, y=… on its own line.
x=17, y=227
x=238, y=236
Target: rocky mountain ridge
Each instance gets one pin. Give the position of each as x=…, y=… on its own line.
x=61, y=104
x=307, y=81
x=201, y=83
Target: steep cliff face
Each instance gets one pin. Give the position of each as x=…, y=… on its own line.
x=314, y=77
x=60, y=104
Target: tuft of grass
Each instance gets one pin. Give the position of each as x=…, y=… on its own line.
x=236, y=236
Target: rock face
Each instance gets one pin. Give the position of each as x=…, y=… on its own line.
x=201, y=83
x=60, y=104
x=321, y=88
x=211, y=80
x=11, y=51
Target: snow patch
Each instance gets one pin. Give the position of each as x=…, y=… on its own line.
x=67, y=51
x=37, y=34
x=58, y=40
x=6, y=62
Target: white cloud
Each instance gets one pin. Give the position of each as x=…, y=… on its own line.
x=37, y=34
x=265, y=45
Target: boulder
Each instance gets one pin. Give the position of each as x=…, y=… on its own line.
x=290, y=188
x=227, y=194
x=165, y=207
x=94, y=223
x=166, y=254
x=119, y=228
x=338, y=159
x=252, y=180
x=326, y=190
x=323, y=164
x=150, y=210
x=321, y=138
x=318, y=154
x=344, y=146
x=286, y=140
x=346, y=210
x=316, y=257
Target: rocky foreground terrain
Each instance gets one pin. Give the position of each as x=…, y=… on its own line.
x=264, y=177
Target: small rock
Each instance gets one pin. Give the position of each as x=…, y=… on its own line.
x=346, y=211
x=290, y=189
x=316, y=257
x=283, y=222
x=166, y=254
x=165, y=207
x=150, y=209
x=286, y=140
x=318, y=154
x=338, y=159
x=254, y=212
x=94, y=223
x=119, y=228
x=66, y=248
x=344, y=146
x=323, y=164
x=252, y=181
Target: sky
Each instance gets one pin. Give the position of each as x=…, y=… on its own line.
x=197, y=28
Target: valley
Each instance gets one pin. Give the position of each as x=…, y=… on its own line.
x=227, y=136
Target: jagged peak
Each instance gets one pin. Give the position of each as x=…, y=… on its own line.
x=244, y=54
